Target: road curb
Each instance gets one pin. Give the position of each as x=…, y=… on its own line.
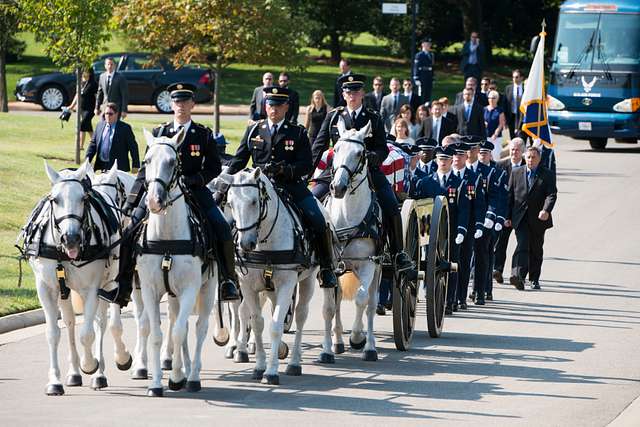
x=629, y=417
x=21, y=320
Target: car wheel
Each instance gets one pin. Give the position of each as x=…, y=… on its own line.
x=162, y=101
x=52, y=98
x=598, y=144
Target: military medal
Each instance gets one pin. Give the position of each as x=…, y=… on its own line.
x=471, y=192
x=288, y=144
x=452, y=194
x=195, y=150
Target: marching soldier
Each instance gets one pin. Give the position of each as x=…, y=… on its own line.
x=423, y=71
x=443, y=182
x=283, y=151
x=426, y=163
x=355, y=115
x=200, y=163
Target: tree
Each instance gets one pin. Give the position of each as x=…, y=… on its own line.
x=72, y=31
x=9, y=13
x=216, y=33
x=334, y=21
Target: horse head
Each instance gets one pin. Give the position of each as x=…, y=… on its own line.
x=349, y=158
x=162, y=168
x=247, y=198
x=68, y=210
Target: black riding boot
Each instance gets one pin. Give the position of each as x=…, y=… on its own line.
x=228, y=278
x=324, y=246
x=403, y=263
x=126, y=266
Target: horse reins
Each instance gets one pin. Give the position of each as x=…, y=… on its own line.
x=263, y=198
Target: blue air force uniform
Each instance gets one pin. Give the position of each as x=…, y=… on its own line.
x=283, y=151
x=422, y=72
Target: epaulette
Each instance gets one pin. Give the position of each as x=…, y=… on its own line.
x=371, y=111
x=340, y=109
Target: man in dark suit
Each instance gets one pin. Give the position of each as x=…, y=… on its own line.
x=449, y=112
x=437, y=126
x=470, y=116
x=478, y=96
x=391, y=104
x=373, y=99
x=512, y=98
x=472, y=62
x=412, y=97
x=113, y=140
x=257, y=108
x=345, y=70
x=515, y=160
x=294, y=99
x=112, y=87
x=532, y=196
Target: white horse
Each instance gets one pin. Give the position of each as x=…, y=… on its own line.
x=168, y=220
x=264, y=224
x=67, y=213
x=348, y=204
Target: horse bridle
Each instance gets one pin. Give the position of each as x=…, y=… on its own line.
x=262, y=208
x=57, y=220
x=168, y=185
x=359, y=167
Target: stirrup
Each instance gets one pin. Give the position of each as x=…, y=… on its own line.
x=330, y=284
x=229, y=296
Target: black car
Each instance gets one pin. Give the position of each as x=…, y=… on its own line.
x=147, y=81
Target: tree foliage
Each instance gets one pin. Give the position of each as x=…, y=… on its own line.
x=216, y=32
x=9, y=14
x=72, y=32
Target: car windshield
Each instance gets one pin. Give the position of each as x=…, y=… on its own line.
x=135, y=63
x=591, y=41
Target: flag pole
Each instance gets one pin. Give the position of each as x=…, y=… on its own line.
x=544, y=100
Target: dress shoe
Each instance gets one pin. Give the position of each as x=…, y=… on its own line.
x=479, y=302
x=535, y=285
x=447, y=310
x=463, y=306
x=497, y=276
x=454, y=307
x=472, y=297
x=388, y=306
x=517, y=282
x=489, y=297
x=380, y=311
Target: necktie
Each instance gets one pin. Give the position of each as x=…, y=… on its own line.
x=530, y=178
x=105, y=146
x=436, y=130
x=459, y=173
x=179, y=129
x=467, y=111
x=395, y=102
x=353, y=118
x=274, y=130
x=442, y=181
x=109, y=83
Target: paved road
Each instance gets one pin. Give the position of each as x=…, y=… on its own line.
x=566, y=355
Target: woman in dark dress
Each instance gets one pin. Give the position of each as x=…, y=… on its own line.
x=88, y=90
x=495, y=122
x=316, y=112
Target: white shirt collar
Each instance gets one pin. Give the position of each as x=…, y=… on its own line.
x=408, y=94
x=445, y=175
x=357, y=110
x=435, y=119
x=271, y=124
x=458, y=170
x=473, y=166
x=186, y=126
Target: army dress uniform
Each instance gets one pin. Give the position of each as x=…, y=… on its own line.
x=422, y=72
x=200, y=163
x=283, y=151
x=377, y=152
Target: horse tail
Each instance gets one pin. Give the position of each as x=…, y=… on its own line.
x=349, y=283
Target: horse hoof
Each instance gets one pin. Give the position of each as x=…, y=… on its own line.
x=370, y=356
x=271, y=379
x=154, y=392
x=167, y=365
x=241, y=357
x=54, y=390
x=251, y=348
x=228, y=353
x=140, y=374
x=357, y=345
x=338, y=348
x=326, y=358
x=283, y=351
x=193, y=386
x=293, y=370
x=257, y=374
x=177, y=386
x=91, y=371
x=125, y=366
x=221, y=342
x=98, y=383
x=74, y=380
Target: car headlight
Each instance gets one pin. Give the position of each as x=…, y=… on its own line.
x=629, y=105
x=554, y=104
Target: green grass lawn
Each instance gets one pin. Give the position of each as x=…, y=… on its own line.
x=25, y=142
x=369, y=56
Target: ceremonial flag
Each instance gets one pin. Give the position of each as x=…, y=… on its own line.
x=533, y=106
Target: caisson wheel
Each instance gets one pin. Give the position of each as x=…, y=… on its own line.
x=438, y=267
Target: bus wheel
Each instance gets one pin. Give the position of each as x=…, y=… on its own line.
x=598, y=143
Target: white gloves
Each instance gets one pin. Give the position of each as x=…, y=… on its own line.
x=498, y=226
x=478, y=234
x=488, y=223
x=459, y=238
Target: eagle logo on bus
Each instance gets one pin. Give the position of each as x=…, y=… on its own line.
x=588, y=86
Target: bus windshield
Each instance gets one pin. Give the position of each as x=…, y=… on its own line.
x=591, y=41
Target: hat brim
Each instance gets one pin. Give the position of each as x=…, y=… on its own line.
x=181, y=96
x=276, y=101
